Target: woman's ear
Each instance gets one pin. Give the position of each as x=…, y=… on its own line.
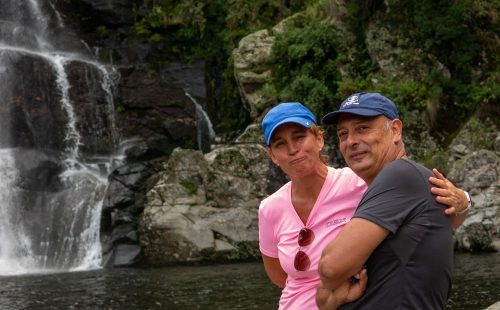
x=321, y=141
x=271, y=155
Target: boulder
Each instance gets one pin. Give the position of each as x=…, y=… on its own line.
x=203, y=208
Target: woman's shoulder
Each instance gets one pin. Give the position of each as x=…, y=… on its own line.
x=280, y=196
x=346, y=175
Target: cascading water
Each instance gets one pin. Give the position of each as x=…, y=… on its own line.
x=205, y=130
x=57, y=140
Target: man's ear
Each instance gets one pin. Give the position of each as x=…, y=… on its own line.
x=397, y=129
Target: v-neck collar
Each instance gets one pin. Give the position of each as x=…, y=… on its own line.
x=324, y=189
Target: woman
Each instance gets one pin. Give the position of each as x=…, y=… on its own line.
x=298, y=220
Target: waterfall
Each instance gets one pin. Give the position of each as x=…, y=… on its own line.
x=58, y=142
x=204, y=129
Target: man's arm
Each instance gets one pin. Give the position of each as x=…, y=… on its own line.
x=345, y=255
x=274, y=270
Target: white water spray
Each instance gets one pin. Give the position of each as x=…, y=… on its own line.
x=204, y=128
x=54, y=229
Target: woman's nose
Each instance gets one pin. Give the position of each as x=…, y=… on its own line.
x=292, y=148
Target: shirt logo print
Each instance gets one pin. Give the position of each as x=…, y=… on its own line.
x=335, y=222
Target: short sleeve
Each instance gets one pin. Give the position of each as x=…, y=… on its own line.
x=268, y=243
x=397, y=194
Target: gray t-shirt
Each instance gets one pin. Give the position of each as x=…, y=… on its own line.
x=412, y=267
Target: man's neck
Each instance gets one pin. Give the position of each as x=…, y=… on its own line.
x=401, y=154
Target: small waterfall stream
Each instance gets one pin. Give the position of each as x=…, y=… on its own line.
x=205, y=133
x=58, y=142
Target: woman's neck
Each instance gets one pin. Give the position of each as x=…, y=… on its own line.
x=305, y=191
x=311, y=183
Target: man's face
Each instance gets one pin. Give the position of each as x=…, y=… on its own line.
x=368, y=143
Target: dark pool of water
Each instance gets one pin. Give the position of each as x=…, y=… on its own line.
x=234, y=286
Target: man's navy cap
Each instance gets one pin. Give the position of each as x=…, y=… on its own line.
x=286, y=112
x=364, y=104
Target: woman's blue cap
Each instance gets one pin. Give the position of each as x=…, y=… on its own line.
x=286, y=112
x=364, y=104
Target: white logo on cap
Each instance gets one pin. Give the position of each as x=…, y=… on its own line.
x=351, y=100
x=307, y=123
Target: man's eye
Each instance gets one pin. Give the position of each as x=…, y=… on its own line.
x=342, y=135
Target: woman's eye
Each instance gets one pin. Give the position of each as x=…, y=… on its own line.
x=299, y=137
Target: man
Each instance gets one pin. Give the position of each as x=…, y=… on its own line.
x=399, y=231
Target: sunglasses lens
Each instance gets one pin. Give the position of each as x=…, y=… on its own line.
x=306, y=236
x=301, y=261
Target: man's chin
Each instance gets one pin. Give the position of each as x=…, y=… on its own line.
x=358, y=167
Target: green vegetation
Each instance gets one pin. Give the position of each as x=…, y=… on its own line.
x=459, y=36
x=447, y=51
x=190, y=187
x=306, y=68
x=191, y=30
x=120, y=108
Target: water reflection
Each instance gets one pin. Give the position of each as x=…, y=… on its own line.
x=236, y=286
x=476, y=283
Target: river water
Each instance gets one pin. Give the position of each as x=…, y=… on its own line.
x=233, y=286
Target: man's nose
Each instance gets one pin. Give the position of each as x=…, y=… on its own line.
x=351, y=139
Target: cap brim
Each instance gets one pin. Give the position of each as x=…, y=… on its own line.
x=332, y=118
x=297, y=120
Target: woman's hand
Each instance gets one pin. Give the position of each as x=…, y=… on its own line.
x=448, y=194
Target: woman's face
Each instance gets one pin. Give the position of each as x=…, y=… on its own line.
x=296, y=150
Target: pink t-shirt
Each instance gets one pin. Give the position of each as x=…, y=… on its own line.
x=279, y=226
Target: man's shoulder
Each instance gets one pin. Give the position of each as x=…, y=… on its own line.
x=406, y=168
x=402, y=175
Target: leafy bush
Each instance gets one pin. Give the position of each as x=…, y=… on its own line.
x=305, y=68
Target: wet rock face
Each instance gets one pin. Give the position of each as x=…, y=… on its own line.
x=109, y=12
x=91, y=94
x=33, y=109
x=156, y=111
x=31, y=114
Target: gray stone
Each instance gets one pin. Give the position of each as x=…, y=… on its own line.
x=126, y=255
x=204, y=207
x=476, y=169
x=495, y=306
x=252, y=134
x=252, y=61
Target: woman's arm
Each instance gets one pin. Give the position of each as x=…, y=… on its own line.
x=274, y=271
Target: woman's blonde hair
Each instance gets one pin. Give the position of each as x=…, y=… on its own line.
x=318, y=131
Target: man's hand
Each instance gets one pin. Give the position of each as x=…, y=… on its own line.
x=349, y=291
x=448, y=194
